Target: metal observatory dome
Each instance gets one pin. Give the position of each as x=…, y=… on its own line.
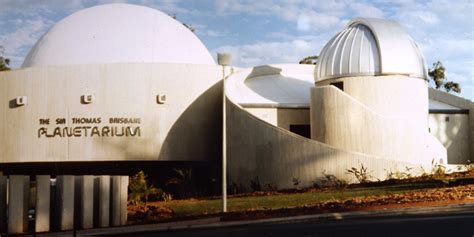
x=118, y=33
x=371, y=47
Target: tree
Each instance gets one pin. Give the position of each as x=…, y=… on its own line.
x=4, y=62
x=437, y=74
x=309, y=60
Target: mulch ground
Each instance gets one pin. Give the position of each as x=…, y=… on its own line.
x=461, y=190
x=430, y=197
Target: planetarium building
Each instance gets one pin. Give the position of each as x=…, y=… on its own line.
x=121, y=83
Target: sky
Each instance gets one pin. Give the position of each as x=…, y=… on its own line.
x=259, y=32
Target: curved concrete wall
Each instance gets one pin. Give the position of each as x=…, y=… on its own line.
x=394, y=96
x=257, y=150
x=342, y=121
x=282, y=117
x=57, y=124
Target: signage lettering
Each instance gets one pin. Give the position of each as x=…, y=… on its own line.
x=90, y=127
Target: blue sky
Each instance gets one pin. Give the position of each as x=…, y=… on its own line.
x=265, y=31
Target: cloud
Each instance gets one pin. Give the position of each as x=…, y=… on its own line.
x=203, y=30
x=271, y=52
x=19, y=40
x=415, y=18
x=272, y=31
x=306, y=15
x=366, y=10
x=33, y=7
x=303, y=23
x=168, y=6
x=467, y=91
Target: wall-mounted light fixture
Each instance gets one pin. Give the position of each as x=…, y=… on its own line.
x=160, y=99
x=87, y=99
x=21, y=100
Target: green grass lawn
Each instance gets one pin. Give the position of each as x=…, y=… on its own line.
x=277, y=201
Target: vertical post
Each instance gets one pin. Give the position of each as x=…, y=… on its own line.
x=65, y=199
x=224, y=147
x=224, y=60
x=119, y=200
x=3, y=203
x=104, y=201
x=18, y=190
x=43, y=192
x=86, y=203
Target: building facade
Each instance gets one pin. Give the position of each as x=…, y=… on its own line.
x=120, y=83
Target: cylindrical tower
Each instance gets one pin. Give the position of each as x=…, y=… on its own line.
x=371, y=94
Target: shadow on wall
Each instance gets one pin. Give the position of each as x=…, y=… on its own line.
x=453, y=132
x=197, y=134
x=283, y=84
x=260, y=154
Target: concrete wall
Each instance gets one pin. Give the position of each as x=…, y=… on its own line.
x=281, y=117
x=340, y=120
x=192, y=107
x=73, y=205
x=452, y=130
x=393, y=96
x=258, y=150
x=465, y=129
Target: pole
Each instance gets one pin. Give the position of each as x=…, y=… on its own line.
x=224, y=146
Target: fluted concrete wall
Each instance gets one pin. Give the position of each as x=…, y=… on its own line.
x=260, y=150
x=192, y=107
x=73, y=203
x=340, y=120
x=282, y=117
x=392, y=96
x=3, y=203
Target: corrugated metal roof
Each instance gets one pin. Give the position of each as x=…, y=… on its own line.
x=370, y=46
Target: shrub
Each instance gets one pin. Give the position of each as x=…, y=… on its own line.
x=400, y=174
x=182, y=185
x=255, y=185
x=272, y=187
x=296, y=181
x=167, y=197
x=437, y=170
x=139, y=189
x=331, y=181
x=362, y=174
x=234, y=188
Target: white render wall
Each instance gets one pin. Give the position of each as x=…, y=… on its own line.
x=447, y=133
x=192, y=107
x=258, y=150
x=382, y=122
x=282, y=117
x=452, y=130
x=392, y=96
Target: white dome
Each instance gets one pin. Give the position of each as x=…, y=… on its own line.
x=370, y=47
x=118, y=33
